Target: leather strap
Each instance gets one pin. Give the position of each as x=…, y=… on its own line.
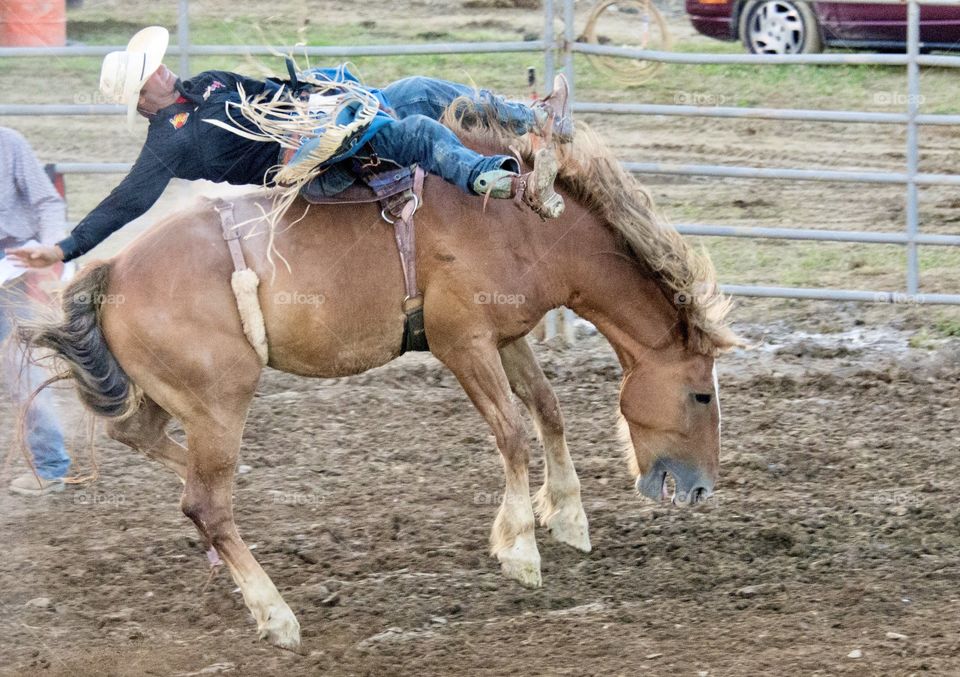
x=405, y=235
x=230, y=233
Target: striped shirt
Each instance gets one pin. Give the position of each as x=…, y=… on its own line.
x=30, y=206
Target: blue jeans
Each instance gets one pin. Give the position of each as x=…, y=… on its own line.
x=418, y=137
x=44, y=435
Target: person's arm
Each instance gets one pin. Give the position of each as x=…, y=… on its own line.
x=135, y=195
x=132, y=198
x=34, y=185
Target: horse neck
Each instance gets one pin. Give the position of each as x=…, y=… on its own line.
x=609, y=288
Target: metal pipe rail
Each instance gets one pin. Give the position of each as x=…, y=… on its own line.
x=766, y=59
x=262, y=50
x=684, y=110
x=871, y=237
x=825, y=175
x=840, y=295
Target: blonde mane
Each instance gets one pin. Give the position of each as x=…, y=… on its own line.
x=592, y=175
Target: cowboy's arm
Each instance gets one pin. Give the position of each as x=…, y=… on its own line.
x=132, y=198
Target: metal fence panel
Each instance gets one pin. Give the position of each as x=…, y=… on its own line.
x=911, y=177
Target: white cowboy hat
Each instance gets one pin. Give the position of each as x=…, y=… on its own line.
x=124, y=73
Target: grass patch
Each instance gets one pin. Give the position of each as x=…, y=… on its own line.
x=948, y=326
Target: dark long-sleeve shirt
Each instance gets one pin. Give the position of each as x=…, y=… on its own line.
x=180, y=144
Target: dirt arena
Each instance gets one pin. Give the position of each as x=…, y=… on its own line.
x=835, y=529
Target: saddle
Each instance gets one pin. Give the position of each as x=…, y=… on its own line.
x=398, y=190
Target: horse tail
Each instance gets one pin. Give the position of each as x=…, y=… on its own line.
x=80, y=350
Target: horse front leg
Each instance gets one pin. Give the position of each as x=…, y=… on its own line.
x=512, y=539
x=208, y=501
x=558, y=501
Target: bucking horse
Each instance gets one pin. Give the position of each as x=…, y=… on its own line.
x=176, y=346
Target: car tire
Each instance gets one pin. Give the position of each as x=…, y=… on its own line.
x=780, y=27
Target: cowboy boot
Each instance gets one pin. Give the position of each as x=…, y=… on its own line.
x=534, y=188
x=556, y=107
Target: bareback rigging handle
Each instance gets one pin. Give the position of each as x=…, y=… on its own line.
x=292, y=71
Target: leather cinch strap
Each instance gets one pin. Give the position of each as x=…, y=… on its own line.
x=230, y=233
x=405, y=234
x=414, y=333
x=244, y=283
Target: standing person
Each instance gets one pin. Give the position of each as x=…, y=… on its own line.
x=30, y=209
x=194, y=127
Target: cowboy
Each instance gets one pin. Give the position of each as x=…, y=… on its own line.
x=30, y=209
x=182, y=142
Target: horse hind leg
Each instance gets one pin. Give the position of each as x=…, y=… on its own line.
x=558, y=501
x=145, y=431
x=208, y=501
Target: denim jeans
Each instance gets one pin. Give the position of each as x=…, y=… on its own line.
x=44, y=435
x=418, y=137
x=428, y=96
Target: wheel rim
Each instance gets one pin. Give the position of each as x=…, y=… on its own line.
x=776, y=28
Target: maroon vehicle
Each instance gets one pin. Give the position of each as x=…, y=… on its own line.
x=794, y=27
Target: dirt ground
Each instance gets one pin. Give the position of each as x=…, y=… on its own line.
x=835, y=524
x=834, y=532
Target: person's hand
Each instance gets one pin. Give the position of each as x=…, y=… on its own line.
x=35, y=257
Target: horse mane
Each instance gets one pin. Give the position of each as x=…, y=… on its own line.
x=592, y=175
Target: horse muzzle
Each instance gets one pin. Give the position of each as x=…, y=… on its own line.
x=692, y=485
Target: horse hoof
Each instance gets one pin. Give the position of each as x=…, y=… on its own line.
x=281, y=629
x=526, y=574
x=570, y=527
x=521, y=562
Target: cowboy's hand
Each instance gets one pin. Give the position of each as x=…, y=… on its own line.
x=35, y=257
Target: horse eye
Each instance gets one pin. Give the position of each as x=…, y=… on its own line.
x=703, y=399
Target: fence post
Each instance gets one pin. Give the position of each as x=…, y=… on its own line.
x=183, y=37
x=913, y=145
x=568, y=38
x=549, y=58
